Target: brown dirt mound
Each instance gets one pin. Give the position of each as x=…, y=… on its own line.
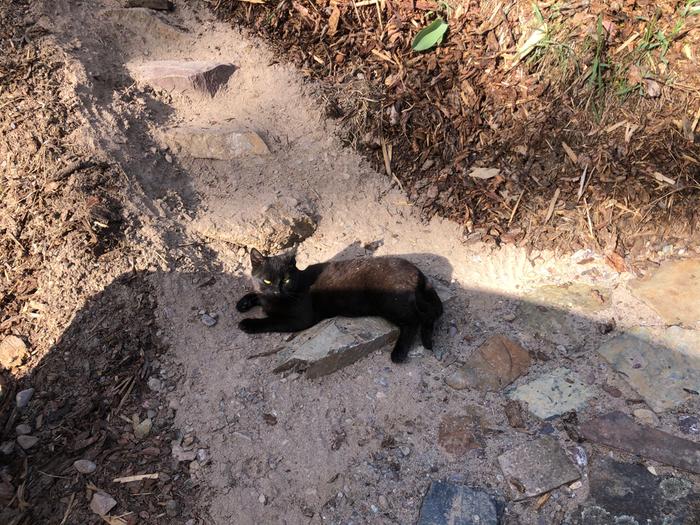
x=594, y=131
x=63, y=239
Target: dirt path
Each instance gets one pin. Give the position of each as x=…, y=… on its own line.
x=361, y=445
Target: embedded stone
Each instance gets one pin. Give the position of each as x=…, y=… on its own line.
x=451, y=503
x=203, y=77
x=537, y=467
x=619, y=431
x=102, y=503
x=554, y=393
x=673, y=291
x=661, y=364
x=219, y=143
x=494, y=365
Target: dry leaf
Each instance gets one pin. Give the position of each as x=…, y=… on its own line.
x=652, y=88
x=616, y=262
x=484, y=173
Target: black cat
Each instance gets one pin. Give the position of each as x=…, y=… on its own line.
x=386, y=287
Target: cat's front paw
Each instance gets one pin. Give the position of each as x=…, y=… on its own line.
x=247, y=302
x=248, y=326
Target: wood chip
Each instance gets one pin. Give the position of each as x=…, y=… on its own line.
x=552, y=204
x=570, y=153
x=663, y=178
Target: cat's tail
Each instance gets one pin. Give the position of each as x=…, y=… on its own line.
x=429, y=307
x=428, y=302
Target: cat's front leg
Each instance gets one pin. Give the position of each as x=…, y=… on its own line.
x=272, y=324
x=248, y=302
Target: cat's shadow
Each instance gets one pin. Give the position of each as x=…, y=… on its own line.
x=433, y=266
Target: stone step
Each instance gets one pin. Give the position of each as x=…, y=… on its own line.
x=336, y=343
x=205, y=77
x=218, y=143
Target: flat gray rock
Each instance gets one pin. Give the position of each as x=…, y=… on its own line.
x=673, y=290
x=659, y=363
x=448, y=503
x=336, y=343
x=217, y=143
x=615, y=485
x=554, y=393
x=205, y=77
x=537, y=467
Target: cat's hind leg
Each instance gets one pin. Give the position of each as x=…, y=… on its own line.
x=248, y=302
x=426, y=334
x=406, y=335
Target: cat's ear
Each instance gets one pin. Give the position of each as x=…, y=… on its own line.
x=256, y=258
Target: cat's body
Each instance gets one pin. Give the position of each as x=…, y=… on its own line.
x=386, y=287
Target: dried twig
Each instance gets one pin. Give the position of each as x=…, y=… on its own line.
x=137, y=477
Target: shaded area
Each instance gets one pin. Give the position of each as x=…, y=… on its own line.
x=585, y=151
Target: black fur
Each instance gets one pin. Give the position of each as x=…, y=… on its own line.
x=386, y=287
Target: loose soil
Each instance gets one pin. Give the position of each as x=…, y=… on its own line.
x=106, y=272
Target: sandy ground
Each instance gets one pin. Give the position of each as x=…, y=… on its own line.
x=359, y=446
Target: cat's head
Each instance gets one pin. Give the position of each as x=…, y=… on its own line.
x=276, y=275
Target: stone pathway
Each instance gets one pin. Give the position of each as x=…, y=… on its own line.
x=536, y=350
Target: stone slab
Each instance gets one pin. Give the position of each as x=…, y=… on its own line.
x=659, y=363
x=673, y=290
x=571, y=296
x=216, y=143
x=277, y=224
x=449, y=503
x=205, y=77
x=614, y=486
x=494, y=365
x=554, y=393
x=618, y=430
x=459, y=434
x=537, y=467
x=336, y=343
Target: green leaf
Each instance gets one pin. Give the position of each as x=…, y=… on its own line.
x=430, y=36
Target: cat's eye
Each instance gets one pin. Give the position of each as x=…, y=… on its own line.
x=267, y=281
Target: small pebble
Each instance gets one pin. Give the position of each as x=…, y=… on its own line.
x=208, y=320
x=168, y=158
x=23, y=429
x=262, y=499
x=7, y=448
x=155, y=384
x=576, y=485
x=102, y=503
x=27, y=442
x=172, y=508
x=84, y=466
x=405, y=451
x=24, y=397
x=646, y=417
x=689, y=424
x=374, y=509
x=383, y=503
